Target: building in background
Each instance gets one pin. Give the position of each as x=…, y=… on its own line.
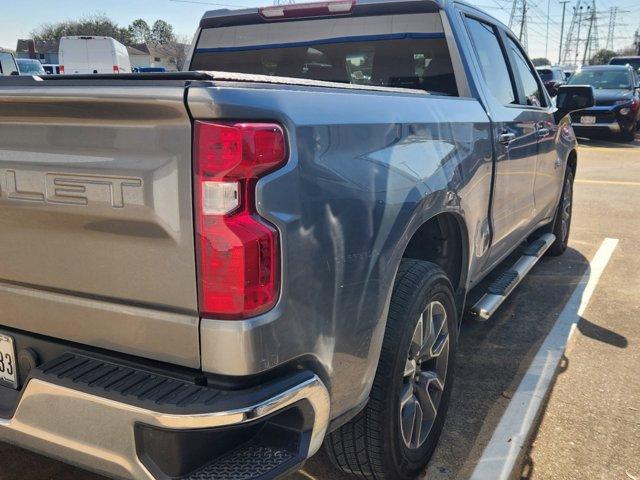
x=46, y=52
x=156, y=56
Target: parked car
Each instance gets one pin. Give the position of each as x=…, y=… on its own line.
x=51, y=68
x=212, y=273
x=617, y=109
x=552, y=78
x=634, y=61
x=28, y=66
x=86, y=54
x=8, y=64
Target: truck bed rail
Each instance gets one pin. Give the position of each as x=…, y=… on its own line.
x=193, y=76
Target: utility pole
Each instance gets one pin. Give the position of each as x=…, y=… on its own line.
x=518, y=17
x=590, y=39
x=546, y=43
x=578, y=39
x=567, y=54
x=512, y=17
x=613, y=13
x=564, y=8
x=523, y=25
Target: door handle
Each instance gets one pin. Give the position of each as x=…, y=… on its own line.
x=543, y=132
x=506, y=138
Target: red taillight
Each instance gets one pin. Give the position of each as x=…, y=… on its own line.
x=238, y=252
x=116, y=69
x=61, y=69
x=316, y=9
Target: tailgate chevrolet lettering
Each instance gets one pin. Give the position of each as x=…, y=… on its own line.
x=66, y=189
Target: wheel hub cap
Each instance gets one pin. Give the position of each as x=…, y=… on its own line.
x=424, y=375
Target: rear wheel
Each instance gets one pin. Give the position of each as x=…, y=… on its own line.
x=562, y=223
x=394, y=437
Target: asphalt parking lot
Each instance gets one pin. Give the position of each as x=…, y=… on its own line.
x=590, y=425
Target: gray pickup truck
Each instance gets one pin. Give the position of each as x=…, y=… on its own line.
x=209, y=274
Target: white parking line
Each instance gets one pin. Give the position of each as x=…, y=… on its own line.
x=510, y=437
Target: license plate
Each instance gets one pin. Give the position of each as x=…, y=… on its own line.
x=588, y=119
x=8, y=362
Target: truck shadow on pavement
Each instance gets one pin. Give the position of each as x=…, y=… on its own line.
x=492, y=358
x=594, y=332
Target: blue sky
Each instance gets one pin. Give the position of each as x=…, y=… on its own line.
x=20, y=17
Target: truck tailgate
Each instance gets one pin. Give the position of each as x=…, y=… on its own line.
x=96, y=217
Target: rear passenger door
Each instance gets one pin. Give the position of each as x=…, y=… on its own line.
x=537, y=113
x=514, y=130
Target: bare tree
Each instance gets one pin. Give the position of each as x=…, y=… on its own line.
x=177, y=50
x=99, y=25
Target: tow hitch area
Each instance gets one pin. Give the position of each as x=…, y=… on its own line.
x=156, y=426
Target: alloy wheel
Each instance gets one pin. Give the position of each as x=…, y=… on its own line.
x=424, y=375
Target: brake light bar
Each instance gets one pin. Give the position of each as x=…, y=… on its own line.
x=300, y=10
x=238, y=251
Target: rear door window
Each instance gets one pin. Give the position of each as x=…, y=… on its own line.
x=408, y=51
x=492, y=60
x=532, y=91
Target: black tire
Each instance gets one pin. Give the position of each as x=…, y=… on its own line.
x=628, y=135
x=372, y=445
x=559, y=246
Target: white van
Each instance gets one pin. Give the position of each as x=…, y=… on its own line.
x=93, y=55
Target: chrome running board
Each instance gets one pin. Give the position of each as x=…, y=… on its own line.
x=499, y=290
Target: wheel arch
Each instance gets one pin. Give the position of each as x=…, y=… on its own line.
x=442, y=239
x=572, y=160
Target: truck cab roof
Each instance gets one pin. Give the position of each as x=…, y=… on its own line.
x=226, y=17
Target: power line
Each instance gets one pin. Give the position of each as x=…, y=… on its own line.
x=518, y=18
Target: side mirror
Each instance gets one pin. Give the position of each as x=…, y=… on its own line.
x=552, y=88
x=572, y=98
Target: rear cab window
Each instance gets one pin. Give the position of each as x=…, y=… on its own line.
x=401, y=50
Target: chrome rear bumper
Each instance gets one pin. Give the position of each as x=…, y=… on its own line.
x=98, y=433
